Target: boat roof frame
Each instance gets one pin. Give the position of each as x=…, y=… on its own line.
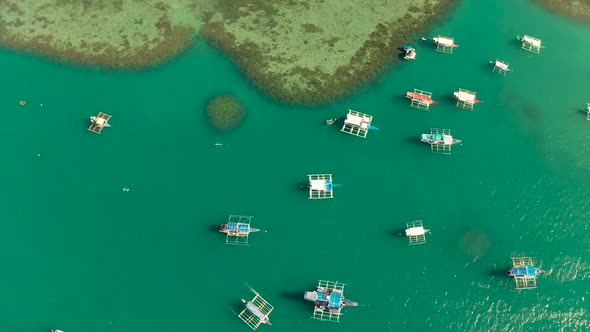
x=524, y=282
x=238, y=238
x=318, y=193
x=419, y=103
x=97, y=128
x=531, y=44
x=325, y=314
x=441, y=148
x=467, y=104
x=498, y=68
x=445, y=48
x=262, y=305
x=416, y=239
x=354, y=129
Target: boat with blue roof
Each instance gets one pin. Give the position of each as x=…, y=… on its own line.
x=329, y=300
x=440, y=140
x=237, y=229
x=524, y=272
x=410, y=52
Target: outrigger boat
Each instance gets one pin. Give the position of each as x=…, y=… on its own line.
x=524, y=272
x=444, y=41
x=439, y=138
x=237, y=230
x=410, y=53
x=332, y=121
x=329, y=300
x=423, y=98
x=100, y=121
x=256, y=312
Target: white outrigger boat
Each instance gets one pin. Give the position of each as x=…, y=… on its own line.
x=100, y=122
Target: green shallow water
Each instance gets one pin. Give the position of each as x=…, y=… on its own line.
x=81, y=255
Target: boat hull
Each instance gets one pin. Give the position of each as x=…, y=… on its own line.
x=412, y=95
x=428, y=138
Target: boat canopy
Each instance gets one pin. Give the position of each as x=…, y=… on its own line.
x=238, y=227
x=318, y=184
x=446, y=139
x=533, y=41
x=335, y=300
x=524, y=271
x=465, y=96
x=415, y=231
x=445, y=41
x=501, y=65
x=360, y=121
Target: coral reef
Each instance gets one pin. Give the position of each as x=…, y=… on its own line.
x=225, y=112
x=109, y=33
x=309, y=51
x=316, y=51
x=576, y=9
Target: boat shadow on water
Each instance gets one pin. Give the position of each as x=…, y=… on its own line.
x=414, y=140
x=236, y=306
x=302, y=186
x=448, y=97
x=486, y=67
x=400, y=232
x=498, y=272
x=516, y=43
x=293, y=296
x=400, y=98
x=214, y=228
x=401, y=53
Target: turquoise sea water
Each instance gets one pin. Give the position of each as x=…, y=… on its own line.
x=80, y=254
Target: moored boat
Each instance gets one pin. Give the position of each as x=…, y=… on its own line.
x=329, y=300
x=410, y=52
x=445, y=41
x=101, y=122
x=332, y=121
x=438, y=138
x=421, y=97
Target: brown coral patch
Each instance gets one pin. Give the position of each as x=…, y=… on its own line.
x=315, y=86
x=578, y=10
x=173, y=41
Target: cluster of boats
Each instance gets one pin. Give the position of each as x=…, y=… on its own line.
x=410, y=51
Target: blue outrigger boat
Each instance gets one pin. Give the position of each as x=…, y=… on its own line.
x=329, y=300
